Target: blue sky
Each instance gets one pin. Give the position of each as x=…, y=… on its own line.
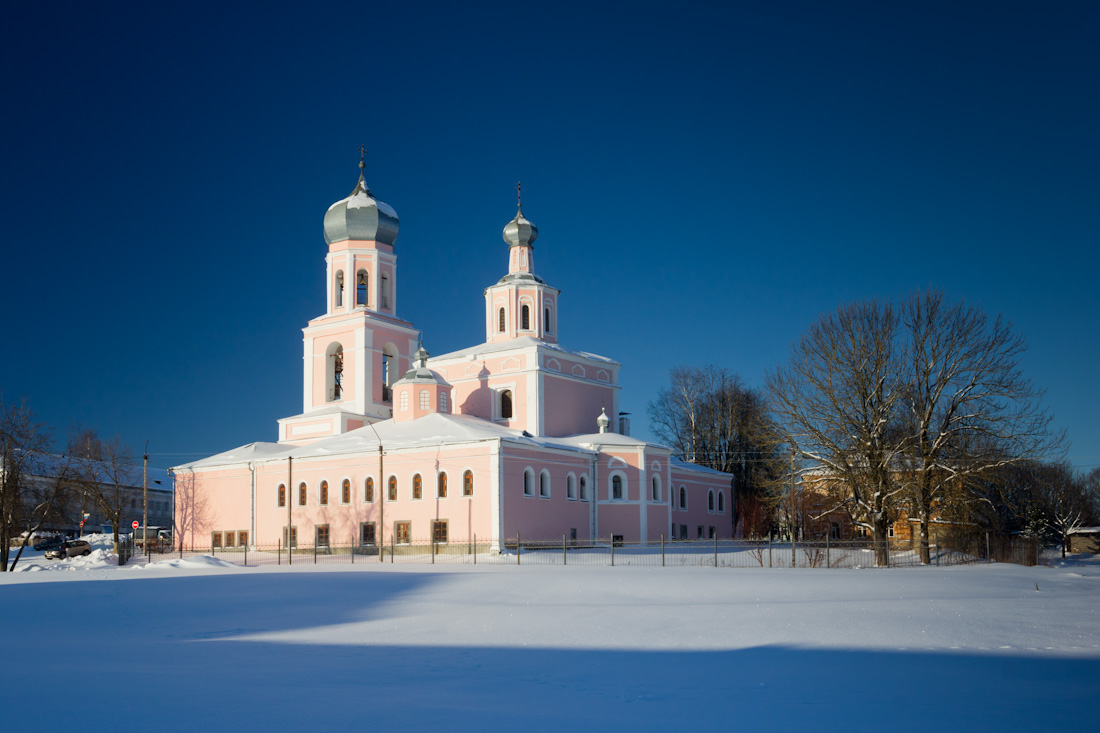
x=707, y=181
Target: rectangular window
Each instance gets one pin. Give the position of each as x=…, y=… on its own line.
x=242, y=538
x=230, y=539
x=683, y=531
x=573, y=533
x=699, y=532
x=401, y=532
x=674, y=531
x=215, y=540
x=366, y=534
x=293, y=537
x=710, y=532
x=322, y=535
x=439, y=531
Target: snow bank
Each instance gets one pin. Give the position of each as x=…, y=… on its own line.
x=196, y=562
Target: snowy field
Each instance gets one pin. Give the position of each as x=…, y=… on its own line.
x=191, y=644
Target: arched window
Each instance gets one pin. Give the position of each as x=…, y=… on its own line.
x=345, y=492
x=656, y=488
x=302, y=494
x=385, y=294
x=710, y=501
x=404, y=399
x=389, y=371
x=584, y=488
x=500, y=320
x=506, y=404
x=425, y=400
x=443, y=407
x=616, y=487
x=525, y=318
x=721, y=502
x=418, y=486
x=544, y=484
x=683, y=498
x=282, y=494
x=468, y=483
x=368, y=490
x=442, y=485
x=391, y=489
x=361, y=282
x=322, y=495
x=570, y=487
x=335, y=371
x=339, y=288
x=528, y=482
x=546, y=323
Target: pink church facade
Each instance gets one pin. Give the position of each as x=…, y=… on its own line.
x=508, y=438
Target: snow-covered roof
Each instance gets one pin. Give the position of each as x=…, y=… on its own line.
x=682, y=465
x=431, y=430
x=611, y=439
x=519, y=343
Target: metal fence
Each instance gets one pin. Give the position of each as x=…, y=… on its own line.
x=718, y=553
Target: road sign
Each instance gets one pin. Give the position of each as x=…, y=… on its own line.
x=81, y=522
x=134, y=524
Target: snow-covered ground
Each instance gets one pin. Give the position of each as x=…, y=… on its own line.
x=198, y=643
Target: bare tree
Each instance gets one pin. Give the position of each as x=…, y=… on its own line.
x=23, y=444
x=107, y=473
x=839, y=402
x=44, y=496
x=969, y=407
x=710, y=417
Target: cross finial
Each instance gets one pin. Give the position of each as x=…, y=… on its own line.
x=519, y=195
x=362, y=155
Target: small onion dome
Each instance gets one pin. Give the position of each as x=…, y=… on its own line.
x=361, y=217
x=420, y=373
x=520, y=232
x=603, y=421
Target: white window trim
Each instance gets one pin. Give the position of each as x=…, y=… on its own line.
x=351, y=492
x=587, y=484
x=412, y=486
x=571, y=478
x=610, y=486
x=528, y=471
x=721, y=505
x=473, y=475
x=682, y=506
x=549, y=487
x=365, y=479
x=319, y=492
x=712, y=501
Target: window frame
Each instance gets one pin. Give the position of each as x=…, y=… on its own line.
x=441, y=485
x=363, y=526
x=368, y=490
x=280, y=496
x=439, y=531
x=318, y=530
x=345, y=492
x=322, y=493
x=468, y=482
x=303, y=494
x=529, y=482
x=402, y=528
x=544, y=484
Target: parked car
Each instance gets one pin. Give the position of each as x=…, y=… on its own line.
x=49, y=543
x=69, y=548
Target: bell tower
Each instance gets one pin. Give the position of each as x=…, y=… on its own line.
x=521, y=303
x=358, y=348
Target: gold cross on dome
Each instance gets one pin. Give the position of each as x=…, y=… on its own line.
x=519, y=194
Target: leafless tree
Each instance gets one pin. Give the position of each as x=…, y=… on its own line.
x=23, y=444
x=839, y=402
x=969, y=408
x=708, y=416
x=107, y=472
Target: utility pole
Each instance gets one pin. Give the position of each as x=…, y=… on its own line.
x=289, y=497
x=145, y=503
x=383, y=487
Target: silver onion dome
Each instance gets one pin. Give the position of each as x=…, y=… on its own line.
x=520, y=231
x=360, y=216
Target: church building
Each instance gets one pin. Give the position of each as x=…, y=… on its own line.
x=510, y=437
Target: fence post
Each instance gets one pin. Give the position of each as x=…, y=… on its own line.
x=794, y=559
x=564, y=556
x=392, y=546
x=988, y=556
x=827, y=538
x=246, y=556
x=352, y=549
x=475, y=549
x=612, y=550
x=433, y=547
x=936, y=542
x=662, y=549
x=278, y=551
x=769, y=550
x=518, y=545
x=715, y=549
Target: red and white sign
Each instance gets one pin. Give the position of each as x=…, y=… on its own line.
x=135, y=524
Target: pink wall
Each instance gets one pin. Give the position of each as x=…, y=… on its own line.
x=572, y=407
x=534, y=517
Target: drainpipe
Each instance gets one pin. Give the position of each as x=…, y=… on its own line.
x=595, y=494
x=252, y=522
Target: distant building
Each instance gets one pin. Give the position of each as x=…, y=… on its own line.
x=510, y=437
